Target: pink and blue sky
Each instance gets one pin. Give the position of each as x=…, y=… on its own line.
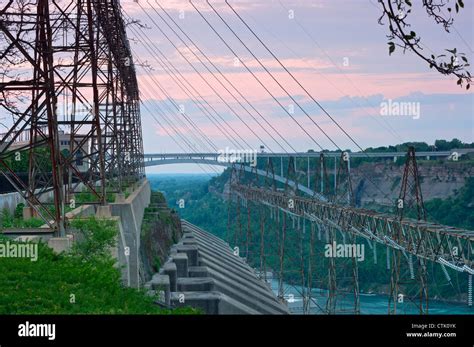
x=335, y=48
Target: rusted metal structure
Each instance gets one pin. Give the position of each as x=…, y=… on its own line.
x=67, y=68
x=405, y=235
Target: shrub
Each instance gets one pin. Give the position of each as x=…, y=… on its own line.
x=19, y=210
x=95, y=238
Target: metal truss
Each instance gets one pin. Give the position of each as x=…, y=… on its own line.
x=446, y=245
x=77, y=94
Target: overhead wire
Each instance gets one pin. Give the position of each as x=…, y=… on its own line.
x=207, y=83
x=164, y=62
x=228, y=81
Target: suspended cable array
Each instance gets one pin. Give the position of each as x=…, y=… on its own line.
x=256, y=246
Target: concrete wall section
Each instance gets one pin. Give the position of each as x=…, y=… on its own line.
x=131, y=212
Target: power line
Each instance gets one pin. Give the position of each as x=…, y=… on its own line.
x=182, y=86
x=273, y=77
x=149, y=74
x=311, y=37
x=171, y=112
x=206, y=82
x=176, y=141
x=226, y=79
x=174, y=128
x=199, y=140
x=291, y=74
x=256, y=78
x=368, y=178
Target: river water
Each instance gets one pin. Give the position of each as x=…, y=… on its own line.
x=369, y=303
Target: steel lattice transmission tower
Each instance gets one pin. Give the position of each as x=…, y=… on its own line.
x=409, y=204
x=68, y=81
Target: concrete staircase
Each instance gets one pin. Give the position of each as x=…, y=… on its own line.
x=203, y=272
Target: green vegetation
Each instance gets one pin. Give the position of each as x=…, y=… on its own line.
x=8, y=220
x=18, y=161
x=84, y=281
x=439, y=145
x=455, y=210
x=96, y=238
x=207, y=206
x=201, y=207
x=160, y=230
x=86, y=197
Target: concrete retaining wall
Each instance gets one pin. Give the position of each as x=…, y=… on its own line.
x=11, y=200
x=131, y=212
x=128, y=214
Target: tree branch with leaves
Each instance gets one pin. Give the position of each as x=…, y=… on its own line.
x=397, y=12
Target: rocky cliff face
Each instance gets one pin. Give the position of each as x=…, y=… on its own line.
x=160, y=230
x=379, y=183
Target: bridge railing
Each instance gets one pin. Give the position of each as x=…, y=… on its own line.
x=204, y=155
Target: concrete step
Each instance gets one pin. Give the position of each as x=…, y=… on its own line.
x=244, y=289
x=227, y=257
x=203, y=272
x=211, y=303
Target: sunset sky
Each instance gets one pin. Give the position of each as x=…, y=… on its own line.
x=335, y=48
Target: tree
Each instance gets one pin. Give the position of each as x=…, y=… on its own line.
x=456, y=143
x=397, y=13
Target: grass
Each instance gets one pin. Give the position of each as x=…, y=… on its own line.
x=87, y=274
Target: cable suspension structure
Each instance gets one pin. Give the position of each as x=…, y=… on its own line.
x=257, y=79
x=386, y=195
x=164, y=62
x=206, y=82
x=226, y=79
x=273, y=77
x=353, y=101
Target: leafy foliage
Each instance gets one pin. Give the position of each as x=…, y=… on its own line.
x=19, y=161
x=397, y=13
x=86, y=281
x=97, y=237
x=7, y=220
x=455, y=210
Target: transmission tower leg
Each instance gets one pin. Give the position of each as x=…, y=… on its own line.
x=394, y=280
x=332, y=289
x=281, y=290
x=248, y=236
x=263, y=266
x=469, y=290
x=302, y=266
x=423, y=279
x=355, y=279
x=310, y=269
